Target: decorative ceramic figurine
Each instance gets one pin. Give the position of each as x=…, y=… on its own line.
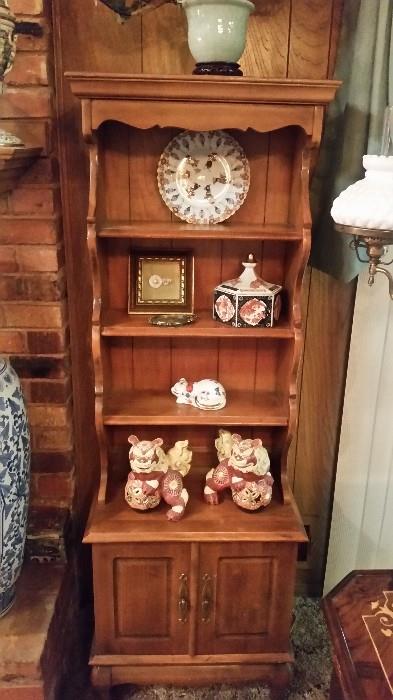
x=248, y=300
x=207, y=394
x=244, y=468
x=7, y=55
x=14, y=482
x=155, y=475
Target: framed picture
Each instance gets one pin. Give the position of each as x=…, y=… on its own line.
x=161, y=282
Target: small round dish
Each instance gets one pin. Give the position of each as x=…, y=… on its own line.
x=203, y=176
x=168, y=320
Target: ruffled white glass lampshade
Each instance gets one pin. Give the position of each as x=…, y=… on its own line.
x=368, y=203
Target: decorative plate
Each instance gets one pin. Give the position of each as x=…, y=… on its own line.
x=203, y=176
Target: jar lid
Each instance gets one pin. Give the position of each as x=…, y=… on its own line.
x=249, y=281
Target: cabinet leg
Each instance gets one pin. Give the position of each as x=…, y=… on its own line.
x=279, y=690
x=335, y=688
x=101, y=678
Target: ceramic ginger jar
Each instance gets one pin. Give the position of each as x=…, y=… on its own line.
x=157, y=475
x=247, y=301
x=244, y=468
x=14, y=482
x=368, y=203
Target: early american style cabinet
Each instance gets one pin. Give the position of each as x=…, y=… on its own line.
x=208, y=598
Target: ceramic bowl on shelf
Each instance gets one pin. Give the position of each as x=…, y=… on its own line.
x=217, y=30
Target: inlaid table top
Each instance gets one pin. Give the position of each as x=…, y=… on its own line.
x=359, y=614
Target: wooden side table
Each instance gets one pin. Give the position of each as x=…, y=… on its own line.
x=359, y=614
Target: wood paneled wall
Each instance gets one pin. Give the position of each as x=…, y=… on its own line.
x=293, y=38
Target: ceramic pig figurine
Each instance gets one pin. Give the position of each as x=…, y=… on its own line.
x=155, y=475
x=245, y=470
x=207, y=394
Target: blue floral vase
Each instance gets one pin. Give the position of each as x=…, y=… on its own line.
x=14, y=482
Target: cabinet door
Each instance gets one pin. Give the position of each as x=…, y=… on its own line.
x=141, y=598
x=245, y=597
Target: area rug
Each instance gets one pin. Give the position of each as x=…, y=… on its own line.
x=311, y=671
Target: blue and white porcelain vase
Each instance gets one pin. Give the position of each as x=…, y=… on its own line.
x=14, y=482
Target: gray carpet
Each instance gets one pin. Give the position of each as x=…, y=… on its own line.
x=311, y=672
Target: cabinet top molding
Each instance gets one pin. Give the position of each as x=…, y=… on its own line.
x=201, y=89
x=201, y=103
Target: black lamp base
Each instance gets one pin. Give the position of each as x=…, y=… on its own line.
x=217, y=68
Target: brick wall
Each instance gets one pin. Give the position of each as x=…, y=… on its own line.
x=33, y=303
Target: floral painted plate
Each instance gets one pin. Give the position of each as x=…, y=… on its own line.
x=203, y=176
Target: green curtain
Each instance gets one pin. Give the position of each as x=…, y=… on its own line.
x=353, y=124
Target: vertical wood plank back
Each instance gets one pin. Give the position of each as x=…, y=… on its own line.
x=266, y=52
x=164, y=42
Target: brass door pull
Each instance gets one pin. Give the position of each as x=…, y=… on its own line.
x=183, y=601
x=206, y=598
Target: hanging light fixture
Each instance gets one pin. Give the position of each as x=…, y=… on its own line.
x=364, y=210
x=127, y=8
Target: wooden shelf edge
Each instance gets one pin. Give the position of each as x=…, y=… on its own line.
x=159, y=408
x=14, y=160
x=119, y=324
x=181, y=230
x=115, y=521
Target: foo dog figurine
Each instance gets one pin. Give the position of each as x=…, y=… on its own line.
x=155, y=475
x=244, y=468
x=208, y=394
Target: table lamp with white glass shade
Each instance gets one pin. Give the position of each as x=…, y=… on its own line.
x=365, y=209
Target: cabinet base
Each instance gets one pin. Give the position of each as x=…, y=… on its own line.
x=276, y=676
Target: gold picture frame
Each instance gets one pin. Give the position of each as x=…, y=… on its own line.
x=161, y=282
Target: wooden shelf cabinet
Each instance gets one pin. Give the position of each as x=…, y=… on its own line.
x=209, y=598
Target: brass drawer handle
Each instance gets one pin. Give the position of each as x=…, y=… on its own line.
x=207, y=597
x=183, y=601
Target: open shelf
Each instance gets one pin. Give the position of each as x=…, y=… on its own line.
x=153, y=408
x=115, y=521
x=168, y=229
x=120, y=324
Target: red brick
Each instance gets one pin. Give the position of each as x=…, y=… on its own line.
x=52, y=462
x=29, y=258
x=26, y=102
x=34, y=200
x=52, y=439
x=33, y=690
x=4, y=209
x=44, y=343
x=48, y=416
x=50, y=391
x=44, y=287
x=44, y=171
x=21, y=315
x=8, y=261
x=40, y=367
x=28, y=69
x=26, y=230
x=53, y=487
x=12, y=341
x=27, y=7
